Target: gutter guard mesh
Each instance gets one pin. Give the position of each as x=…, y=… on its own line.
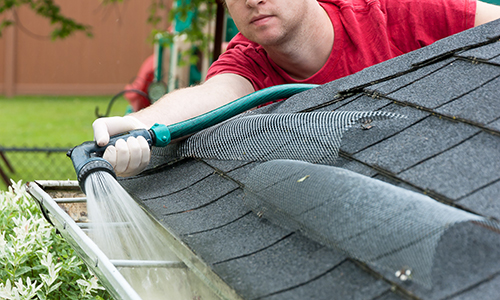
x=370, y=220
x=312, y=137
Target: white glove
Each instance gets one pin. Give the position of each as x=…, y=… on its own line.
x=128, y=157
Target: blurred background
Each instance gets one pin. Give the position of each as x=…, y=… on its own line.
x=65, y=63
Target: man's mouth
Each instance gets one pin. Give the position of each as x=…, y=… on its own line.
x=259, y=19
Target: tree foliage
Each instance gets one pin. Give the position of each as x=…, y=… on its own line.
x=63, y=26
x=204, y=11
x=198, y=12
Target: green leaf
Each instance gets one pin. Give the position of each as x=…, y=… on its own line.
x=41, y=295
x=55, y=287
x=22, y=270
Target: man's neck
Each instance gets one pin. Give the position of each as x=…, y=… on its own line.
x=306, y=54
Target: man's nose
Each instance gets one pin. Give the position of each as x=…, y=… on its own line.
x=253, y=3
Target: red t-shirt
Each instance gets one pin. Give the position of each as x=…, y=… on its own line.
x=367, y=32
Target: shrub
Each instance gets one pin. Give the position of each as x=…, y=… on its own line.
x=36, y=262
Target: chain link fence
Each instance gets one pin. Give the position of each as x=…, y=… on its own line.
x=29, y=164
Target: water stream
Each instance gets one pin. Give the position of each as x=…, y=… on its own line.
x=124, y=231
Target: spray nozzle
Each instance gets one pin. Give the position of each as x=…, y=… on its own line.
x=87, y=157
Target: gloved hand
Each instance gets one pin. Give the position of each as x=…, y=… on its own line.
x=128, y=157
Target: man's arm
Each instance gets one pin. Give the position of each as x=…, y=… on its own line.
x=186, y=103
x=486, y=12
x=177, y=106
x=132, y=156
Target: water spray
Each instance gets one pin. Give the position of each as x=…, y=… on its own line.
x=87, y=157
x=109, y=205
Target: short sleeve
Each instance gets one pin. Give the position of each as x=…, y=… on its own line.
x=249, y=60
x=416, y=23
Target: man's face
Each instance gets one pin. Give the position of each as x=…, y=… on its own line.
x=267, y=22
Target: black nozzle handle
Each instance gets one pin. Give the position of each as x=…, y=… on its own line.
x=87, y=157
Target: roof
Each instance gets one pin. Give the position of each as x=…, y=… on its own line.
x=448, y=148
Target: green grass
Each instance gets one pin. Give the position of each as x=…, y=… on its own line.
x=48, y=121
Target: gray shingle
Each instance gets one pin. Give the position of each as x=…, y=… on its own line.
x=488, y=290
x=354, y=166
x=486, y=52
x=472, y=37
x=495, y=60
x=481, y=105
x=397, y=182
x=347, y=281
x=198, y=194
x=245, y=236
x=240, y=174
x=484, y=201
x=399, y=82
x=180, y=176
x=454, y=80
x=222, y=212
x=307, y=99
x=460, y=170
x=495, y=125
x=291, y=262
x=416, y=143
x=341, y=102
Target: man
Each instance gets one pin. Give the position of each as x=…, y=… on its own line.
x=295, y=41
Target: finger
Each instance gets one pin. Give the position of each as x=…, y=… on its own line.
x=139, y=156
x=101, y=135
x=106, y=127
x=122, y=124
x=146, y=153
x=110, y=156
x=135, y=155
x=122, y=156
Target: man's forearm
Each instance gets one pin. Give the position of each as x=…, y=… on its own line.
x=189, y=102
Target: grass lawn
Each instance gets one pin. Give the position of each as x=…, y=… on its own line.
x=51, y=120
x=48, y=121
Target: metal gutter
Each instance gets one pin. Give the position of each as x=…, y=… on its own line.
x=106, y=269
x=85, y=248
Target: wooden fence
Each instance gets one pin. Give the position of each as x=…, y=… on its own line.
x=31, y=63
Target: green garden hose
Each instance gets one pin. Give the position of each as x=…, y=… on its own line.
x=87, y=157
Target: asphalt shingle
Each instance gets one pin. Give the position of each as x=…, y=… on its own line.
x=414, y=144
x=480, y=106
x=460, y=170
x=455, y=161
x=453, y=81
x=294, y=259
